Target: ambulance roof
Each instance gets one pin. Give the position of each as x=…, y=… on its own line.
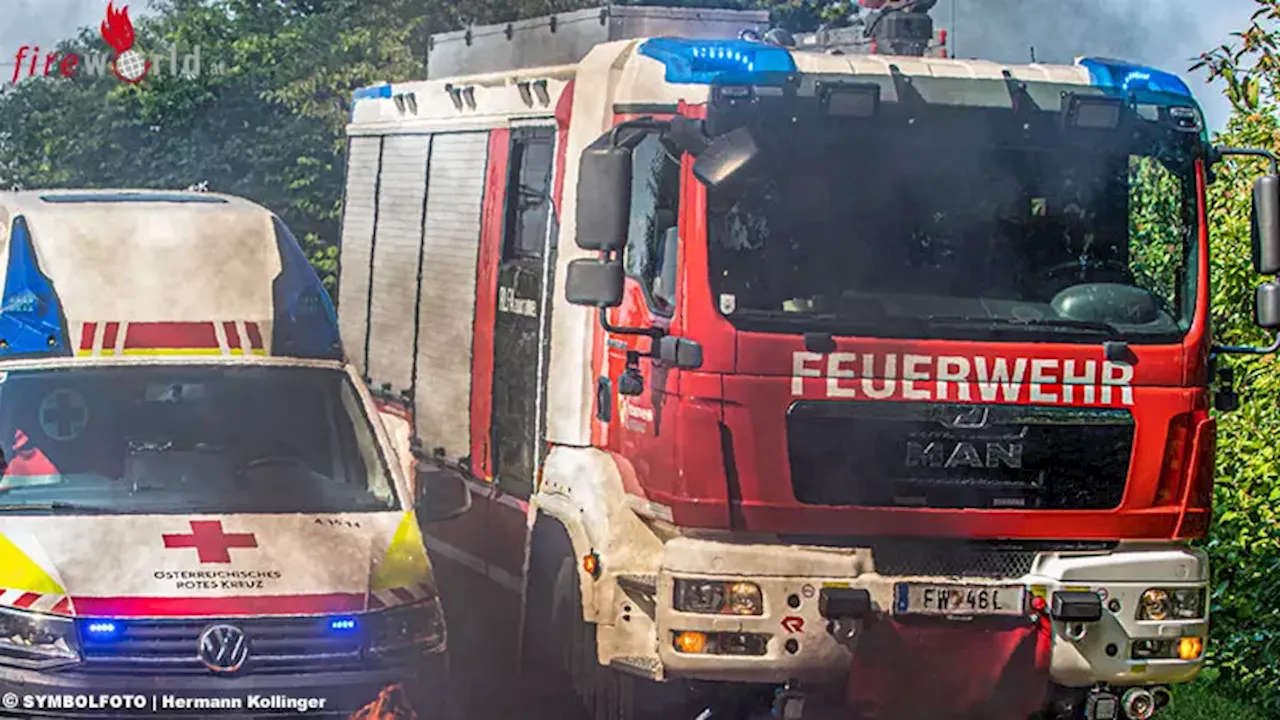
x=664, y=71
x=146, y=272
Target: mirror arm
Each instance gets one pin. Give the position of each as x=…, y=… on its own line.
x=653, y=332
x=1222, y=151
x=1247, y=349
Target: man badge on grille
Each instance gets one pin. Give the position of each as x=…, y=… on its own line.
x=129, y=65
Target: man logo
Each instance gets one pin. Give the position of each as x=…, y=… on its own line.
x=969, y=419
x=223, y=648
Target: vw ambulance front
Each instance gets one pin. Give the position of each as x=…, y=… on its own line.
x=203, y=511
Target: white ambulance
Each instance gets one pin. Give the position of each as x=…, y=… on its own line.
x=203, y=510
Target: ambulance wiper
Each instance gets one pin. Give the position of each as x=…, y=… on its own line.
x=48, y=506
x=1098, y=327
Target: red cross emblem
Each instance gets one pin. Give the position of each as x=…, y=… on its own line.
x=211, y=544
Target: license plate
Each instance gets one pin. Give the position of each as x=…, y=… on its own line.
x=963, y=600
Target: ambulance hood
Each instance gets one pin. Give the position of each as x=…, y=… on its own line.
x=211, y=565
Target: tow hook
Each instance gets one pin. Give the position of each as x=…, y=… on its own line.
x=788, y=704
x=1077, y=609
x=844, y=609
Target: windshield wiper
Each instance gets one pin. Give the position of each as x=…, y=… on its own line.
x=48, y=506
x=1089, y=325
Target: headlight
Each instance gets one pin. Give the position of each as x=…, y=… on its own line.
x=29, y=640
x=417, y=626
x=1176, y=604
x=718, y=597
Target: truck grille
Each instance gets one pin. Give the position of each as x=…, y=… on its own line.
x=276, y=645
x=886, y=454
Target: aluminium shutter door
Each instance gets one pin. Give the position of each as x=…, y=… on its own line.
x=358, y=218
x=401, y=188
x=448, y=293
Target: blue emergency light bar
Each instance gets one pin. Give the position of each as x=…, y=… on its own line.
x=1123, y=78
x=732, y=62
x=342, y=624
x=306, y=323
x=31, y=319
x=381, y=90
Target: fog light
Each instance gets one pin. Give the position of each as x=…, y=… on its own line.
x=718, y=597
x=691, y=643
x=1154, y=605
x=1190, y=648
x=1154, y=650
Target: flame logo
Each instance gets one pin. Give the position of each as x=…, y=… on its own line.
x=117, y=30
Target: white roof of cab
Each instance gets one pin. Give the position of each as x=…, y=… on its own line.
x=494, y=99
x=149, y=255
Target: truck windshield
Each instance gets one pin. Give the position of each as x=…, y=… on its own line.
x=198, y=439
x=959, y=234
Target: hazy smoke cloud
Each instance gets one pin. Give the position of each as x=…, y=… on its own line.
x=1161, y=33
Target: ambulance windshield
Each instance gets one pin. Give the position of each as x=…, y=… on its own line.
x=197, y=439
x=969, y=233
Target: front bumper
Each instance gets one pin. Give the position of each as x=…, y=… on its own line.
x=800, y=645
x=54, y=694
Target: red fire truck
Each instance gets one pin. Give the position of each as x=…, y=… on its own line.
x=784, y=367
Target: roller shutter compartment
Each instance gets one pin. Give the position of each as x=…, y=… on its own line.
x=448, y=293
x=359, y=215
x=401, y=188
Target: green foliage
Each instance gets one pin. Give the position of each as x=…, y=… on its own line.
x=1245, y=541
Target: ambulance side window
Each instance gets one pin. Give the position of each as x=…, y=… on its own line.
x=528, y=193
x=655, y=205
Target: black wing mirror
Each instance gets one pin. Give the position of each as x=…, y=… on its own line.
x=1265, y=225
x=442, y=494
x=725, y=158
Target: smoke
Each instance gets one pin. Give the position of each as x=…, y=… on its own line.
x=1166, y=34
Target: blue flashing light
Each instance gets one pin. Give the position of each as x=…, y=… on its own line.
x=733, y=62
x=381, y=90
x=101, y=628
x=306, y=323
x=1123, y=78
x=342, y=624
x=31, y=318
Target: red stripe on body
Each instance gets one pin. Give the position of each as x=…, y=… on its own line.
x=564, y=112
x=63, y=607
x=495, y=187
x=403, y=595
x=375, y=603
x=173, y=335
x=233, y=336
x=27, y=600
x=255, y=336
x=220, y=606
x=86, y=335
x=109, y=336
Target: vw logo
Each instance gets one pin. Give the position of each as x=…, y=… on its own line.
x=223, y=648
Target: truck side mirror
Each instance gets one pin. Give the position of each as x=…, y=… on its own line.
x=597, y=283
x=442, y=495
x=1266, y=311
x=684, y=354
x=604, y=198
x=1266, y=225
x=725, y=158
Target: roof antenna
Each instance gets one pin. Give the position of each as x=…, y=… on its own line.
x=1033, y=54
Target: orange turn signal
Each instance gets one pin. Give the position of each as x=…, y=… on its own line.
x=691, y=643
